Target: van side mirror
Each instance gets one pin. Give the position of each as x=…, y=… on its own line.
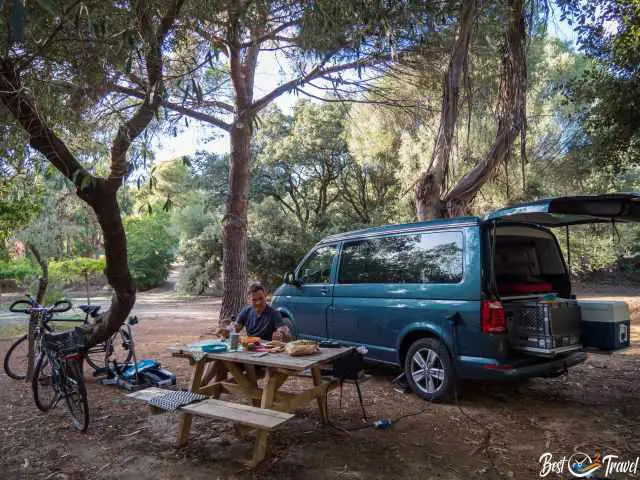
x=290, y=279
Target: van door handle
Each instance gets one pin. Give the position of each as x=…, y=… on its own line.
x=324, y=290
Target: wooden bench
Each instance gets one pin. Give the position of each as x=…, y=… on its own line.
x=255, y=417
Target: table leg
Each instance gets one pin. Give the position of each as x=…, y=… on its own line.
x=322, y=398
x=272, y=382
x=185, y=420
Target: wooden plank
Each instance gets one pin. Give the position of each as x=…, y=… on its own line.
x=272, y=380
x=260, y=418
x=322, y=398
x=277, y=360
x=308, y=395
x=185, y=420
x=241, y=379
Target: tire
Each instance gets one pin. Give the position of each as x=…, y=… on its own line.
x=75, y=395
x=17, y=358
x=95, y=356
x=121, y=347
x=44, y=393
x=437, y=383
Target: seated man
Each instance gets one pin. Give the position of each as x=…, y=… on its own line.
x=259, y=319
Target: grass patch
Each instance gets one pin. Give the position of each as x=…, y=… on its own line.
x=14, y=330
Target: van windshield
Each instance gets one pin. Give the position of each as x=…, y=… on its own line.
x=528, y=261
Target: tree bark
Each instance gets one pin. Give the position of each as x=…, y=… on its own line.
x=43, y=281
x=234, y=223
x=432, y=182
x=242, y=70
x=99, y=193
x=510, y=113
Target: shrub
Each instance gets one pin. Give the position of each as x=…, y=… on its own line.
x=151, y=249
x=202, y=257
x=20, y=269
x=72, y=270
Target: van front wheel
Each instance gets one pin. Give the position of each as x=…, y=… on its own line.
x=429, y=369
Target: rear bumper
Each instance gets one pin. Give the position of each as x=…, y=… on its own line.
x=490, y=369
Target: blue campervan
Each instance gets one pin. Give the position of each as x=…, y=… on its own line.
x=484, y=298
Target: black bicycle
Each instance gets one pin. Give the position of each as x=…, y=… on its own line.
x=16, y=360
x=119, y=348
x=58, y=375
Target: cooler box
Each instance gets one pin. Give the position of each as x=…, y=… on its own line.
x=605, y=325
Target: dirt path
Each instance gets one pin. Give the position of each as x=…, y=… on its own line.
x=496, y=430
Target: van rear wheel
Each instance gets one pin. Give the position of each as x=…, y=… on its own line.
x=429, y=369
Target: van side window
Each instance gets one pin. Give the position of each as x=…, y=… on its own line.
x=416, y=258
x=317, y=268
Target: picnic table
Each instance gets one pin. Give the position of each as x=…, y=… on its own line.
x=271, y=405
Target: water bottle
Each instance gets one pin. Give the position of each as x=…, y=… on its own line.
x=234, y=340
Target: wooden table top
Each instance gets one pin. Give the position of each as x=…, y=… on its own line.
x=276, y=360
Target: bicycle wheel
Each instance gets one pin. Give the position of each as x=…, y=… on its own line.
x=75, y=394
x=96, y=356
x=43, y=385
x=17, y=359
x=121, y=346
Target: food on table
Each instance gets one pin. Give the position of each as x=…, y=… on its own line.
x=301, y=347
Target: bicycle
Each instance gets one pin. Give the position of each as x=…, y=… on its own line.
x=58, y=374
x=101, y=355
x=98, y=357
x=16, y=360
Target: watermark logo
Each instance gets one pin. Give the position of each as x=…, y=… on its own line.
x=581, y=465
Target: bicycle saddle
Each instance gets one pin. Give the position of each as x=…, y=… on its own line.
x=90, y=309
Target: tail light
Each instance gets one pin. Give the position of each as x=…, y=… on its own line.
x=493, y=318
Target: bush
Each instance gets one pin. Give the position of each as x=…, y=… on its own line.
x=20, y=269
x=72, y=270
x=151, y=248
x=202, y=257
x=275, y=244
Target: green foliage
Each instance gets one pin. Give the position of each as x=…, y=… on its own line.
x=275, y=243
x=151, y=248
x=72, y=270
x=19, y=269
x=202, y=257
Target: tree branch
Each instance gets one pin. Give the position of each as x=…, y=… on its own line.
x=316, y=72
x=41, y=137
x=133, y=127
x=204, y=117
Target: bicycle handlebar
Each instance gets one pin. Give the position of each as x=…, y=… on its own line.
x=59, y=307
x=14, y=305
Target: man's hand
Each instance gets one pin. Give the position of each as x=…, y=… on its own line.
x=282, y=334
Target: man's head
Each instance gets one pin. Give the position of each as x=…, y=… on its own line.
x=257, y=295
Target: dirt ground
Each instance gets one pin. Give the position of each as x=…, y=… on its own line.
x=494, y=431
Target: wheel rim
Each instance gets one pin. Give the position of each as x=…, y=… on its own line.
x=120, y=349
x=427, y=371
x=75, y=396
x=46, y=392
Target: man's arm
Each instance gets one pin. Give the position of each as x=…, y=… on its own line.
x=241, y=321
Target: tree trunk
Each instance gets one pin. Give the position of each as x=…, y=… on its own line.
x=234, y=223
x=510, y=113
x=102, y=198
x=43, y=281
x=433, y=180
